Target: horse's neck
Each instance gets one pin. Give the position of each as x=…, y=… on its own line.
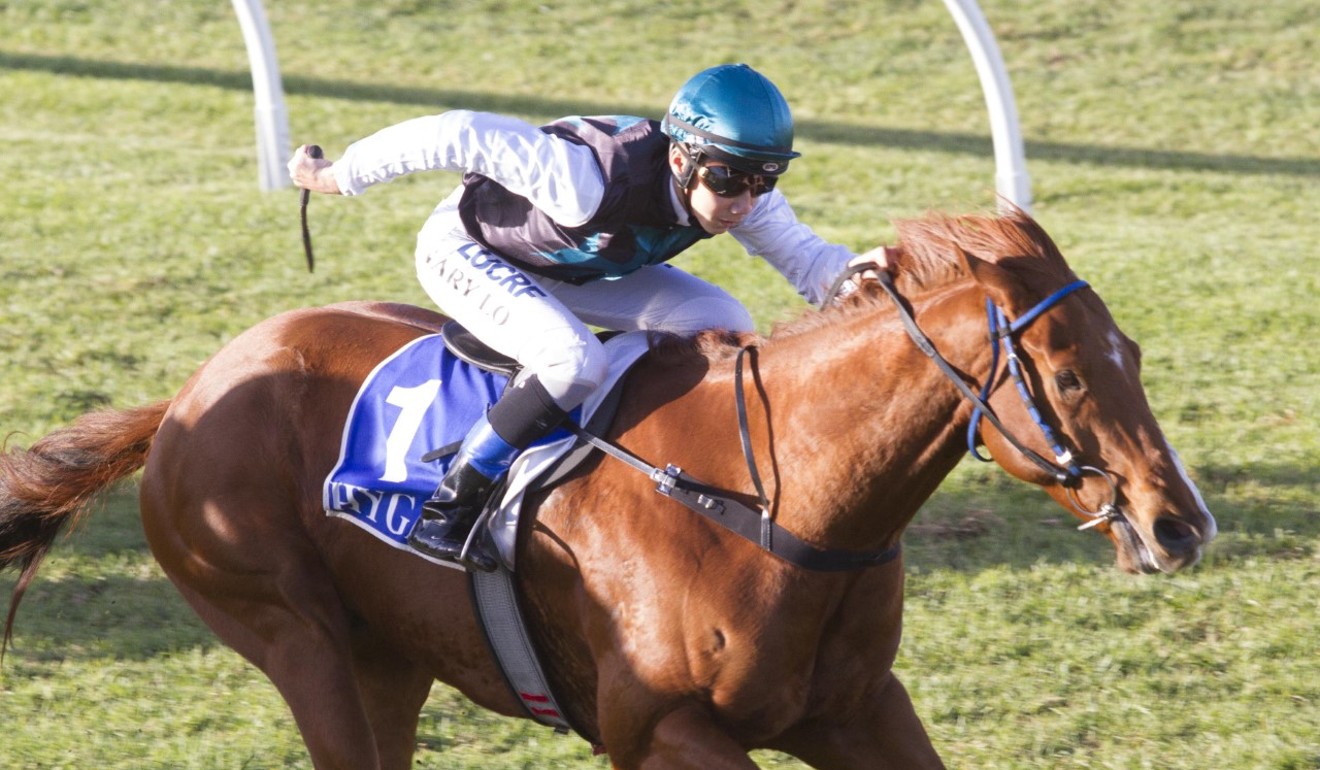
x=864, y=427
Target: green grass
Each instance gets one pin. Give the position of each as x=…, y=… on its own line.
x=1173, y=153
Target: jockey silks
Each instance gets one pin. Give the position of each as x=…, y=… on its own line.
x=635, y=224
x=569, y=181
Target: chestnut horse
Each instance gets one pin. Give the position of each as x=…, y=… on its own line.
x=672, y=641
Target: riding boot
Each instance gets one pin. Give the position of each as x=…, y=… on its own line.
x=447, y=518
x=525, y=413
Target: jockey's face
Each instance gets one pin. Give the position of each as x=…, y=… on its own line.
x=715, y=213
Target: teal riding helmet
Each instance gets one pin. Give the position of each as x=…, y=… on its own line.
x=733, y=114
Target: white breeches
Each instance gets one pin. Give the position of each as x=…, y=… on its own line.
x=543, y=323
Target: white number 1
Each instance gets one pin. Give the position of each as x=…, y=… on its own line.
x=414, y=402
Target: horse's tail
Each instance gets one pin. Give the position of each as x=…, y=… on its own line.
x=49, y=486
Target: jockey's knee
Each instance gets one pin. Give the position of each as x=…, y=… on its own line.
x=699, y=314
x=570, y=369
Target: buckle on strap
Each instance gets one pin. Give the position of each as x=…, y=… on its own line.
x=666, y=479
x=667, y=484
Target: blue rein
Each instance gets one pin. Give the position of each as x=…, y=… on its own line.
x=1001, y=337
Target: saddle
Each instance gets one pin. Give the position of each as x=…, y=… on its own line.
x=379, y=483
x=465, y=345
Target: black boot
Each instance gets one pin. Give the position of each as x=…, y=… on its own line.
x=524, y=413
x=447, y=518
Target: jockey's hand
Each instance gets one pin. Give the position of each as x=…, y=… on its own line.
x=313, y=174
x=878, y=258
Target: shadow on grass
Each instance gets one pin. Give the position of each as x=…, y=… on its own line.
x=107, y=617
x=85, y=603
x=1265, y=475
x=818, y=130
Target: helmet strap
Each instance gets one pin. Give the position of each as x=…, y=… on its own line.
x=691, y=160
x=686, y=177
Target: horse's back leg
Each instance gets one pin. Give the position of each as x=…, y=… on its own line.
x=241, y=560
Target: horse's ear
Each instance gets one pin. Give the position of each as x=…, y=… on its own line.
x=999, y=283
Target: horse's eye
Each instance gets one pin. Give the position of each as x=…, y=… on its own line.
x=1067, y=380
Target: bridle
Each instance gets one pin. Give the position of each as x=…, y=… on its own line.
x=1064, y=469
x=1002, y=331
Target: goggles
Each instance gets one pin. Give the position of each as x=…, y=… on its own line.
x=729, y=183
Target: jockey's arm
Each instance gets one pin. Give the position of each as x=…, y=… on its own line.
x=559, y=177
x=808, y=261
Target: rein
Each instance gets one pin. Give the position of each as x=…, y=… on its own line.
x=758, y=526
x=1065, y=473
x=1064, y=469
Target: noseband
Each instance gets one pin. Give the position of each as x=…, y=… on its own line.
x=1064, y=469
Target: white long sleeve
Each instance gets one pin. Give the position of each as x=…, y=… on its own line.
x=559, y=177
x=772, y=231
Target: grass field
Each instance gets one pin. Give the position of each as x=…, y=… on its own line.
x=1174, y=154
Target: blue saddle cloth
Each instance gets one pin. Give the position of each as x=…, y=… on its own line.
x=419, y=399
x=423, y=398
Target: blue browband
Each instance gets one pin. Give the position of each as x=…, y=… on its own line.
x=1042, y=306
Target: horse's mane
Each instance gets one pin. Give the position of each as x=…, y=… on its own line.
x=926, y=257
x=929, y=248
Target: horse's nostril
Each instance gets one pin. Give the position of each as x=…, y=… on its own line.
x=1176, y=536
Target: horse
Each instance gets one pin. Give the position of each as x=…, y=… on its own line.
x=668, y=639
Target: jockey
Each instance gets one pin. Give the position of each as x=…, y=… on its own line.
x=570, y=224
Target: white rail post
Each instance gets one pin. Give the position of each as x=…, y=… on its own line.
x=1011, y=180
x=271, y=116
